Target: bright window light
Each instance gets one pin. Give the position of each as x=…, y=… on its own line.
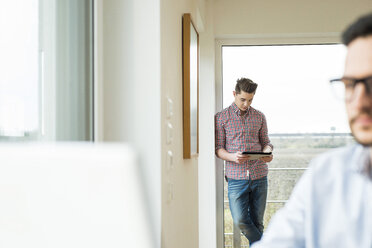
x=293, y=85
x=19, y=65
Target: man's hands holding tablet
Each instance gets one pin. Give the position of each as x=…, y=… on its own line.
x=257, y=155
x=263, y=156
x=241, y=157
x=267, y=159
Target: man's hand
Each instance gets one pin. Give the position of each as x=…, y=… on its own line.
x=267, y=159
x=240, y=158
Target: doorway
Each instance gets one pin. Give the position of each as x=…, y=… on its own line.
x=304, y=118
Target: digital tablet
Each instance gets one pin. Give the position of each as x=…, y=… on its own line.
x=257, y=155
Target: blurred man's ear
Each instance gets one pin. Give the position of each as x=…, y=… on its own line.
x=234, y=93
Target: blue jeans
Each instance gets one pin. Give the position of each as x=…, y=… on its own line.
x=247, y=205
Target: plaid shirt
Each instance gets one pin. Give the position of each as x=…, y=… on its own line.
x=242, y=133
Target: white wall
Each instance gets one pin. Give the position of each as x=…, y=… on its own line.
x=138, y=66
x=206, y=171
x=188, y=220
x=241, y=17
x=128, y=73
x=179, y=183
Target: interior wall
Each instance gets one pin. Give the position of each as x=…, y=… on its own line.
x=181, y=189
x=138, y=66
x=179, y=183
x=240, y=18
x=128, y=73
x=206, y=171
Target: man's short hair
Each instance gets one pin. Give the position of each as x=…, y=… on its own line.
x=360, y=28
x=246, y=85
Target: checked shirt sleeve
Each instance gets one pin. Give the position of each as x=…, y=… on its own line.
x=264, y=137
x=220, y=138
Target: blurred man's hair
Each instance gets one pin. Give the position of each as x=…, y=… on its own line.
x=246, y=85
x=360, y=28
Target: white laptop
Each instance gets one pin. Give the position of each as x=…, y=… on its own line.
x=72, y=195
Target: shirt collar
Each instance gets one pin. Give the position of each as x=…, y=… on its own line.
x=237, y=110
x=366, y=162
x=362, y=160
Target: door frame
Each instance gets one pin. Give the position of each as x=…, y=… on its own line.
x=251, y=40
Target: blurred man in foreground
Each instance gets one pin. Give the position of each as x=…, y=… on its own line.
x=331, y=206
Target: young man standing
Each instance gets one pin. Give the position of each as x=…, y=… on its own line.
x=331, y=206
x=240, y=128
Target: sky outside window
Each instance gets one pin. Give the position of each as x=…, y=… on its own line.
x=19, y=67
x=293, y=85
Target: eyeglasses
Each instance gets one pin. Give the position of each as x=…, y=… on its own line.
x=344, y=87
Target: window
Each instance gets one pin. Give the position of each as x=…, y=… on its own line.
x=304, y=119
x=19, y=65
x=46, y=63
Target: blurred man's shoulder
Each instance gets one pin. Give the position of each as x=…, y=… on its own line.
x=338, y=159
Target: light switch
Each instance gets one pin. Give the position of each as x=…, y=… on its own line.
x=169, y=133
x=169, y=160
x=169, y=108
